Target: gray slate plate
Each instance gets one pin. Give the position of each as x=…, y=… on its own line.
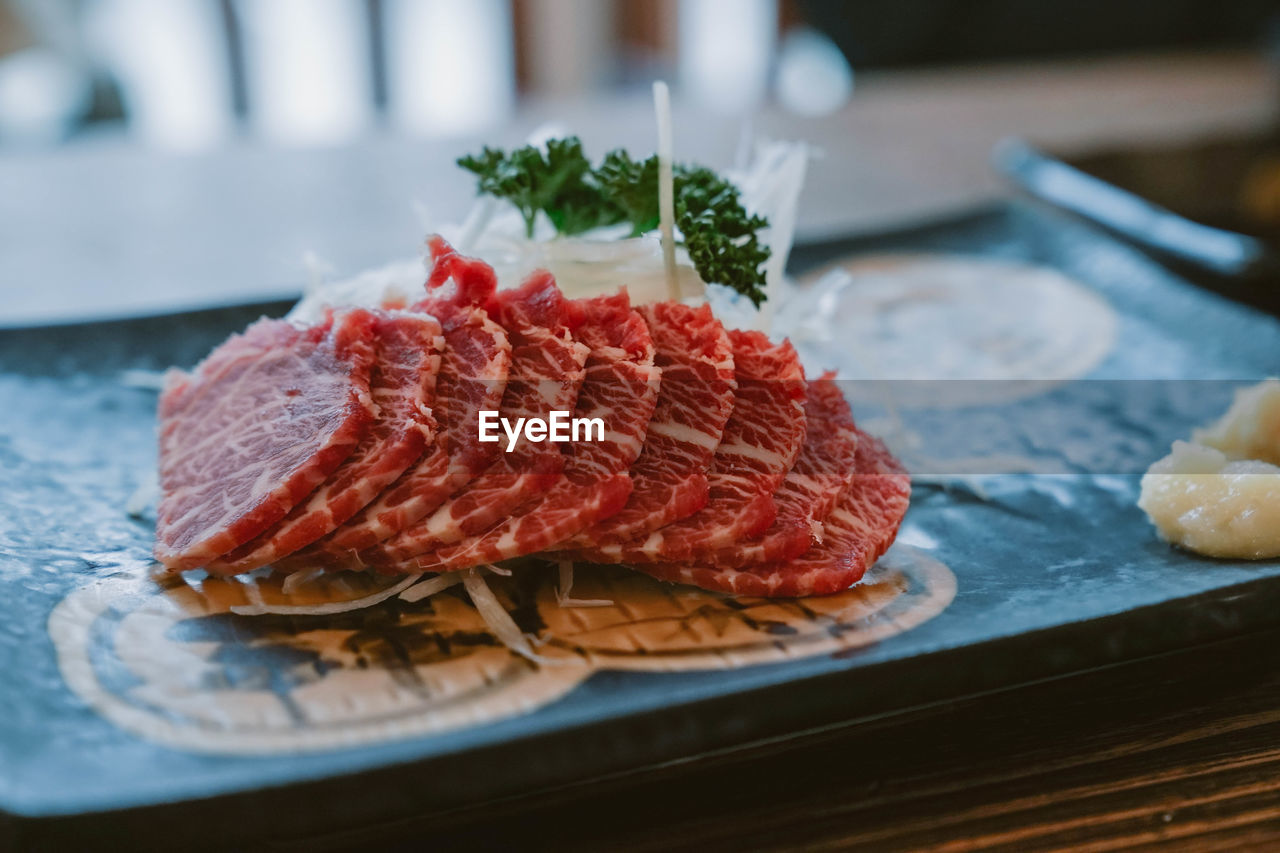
x=1055, y=575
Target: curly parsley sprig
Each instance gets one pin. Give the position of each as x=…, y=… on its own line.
x=558, y=181
x=722, y=239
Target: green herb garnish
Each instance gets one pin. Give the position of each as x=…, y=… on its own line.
x=632, y=187
x=722, y=239
x=560, y=182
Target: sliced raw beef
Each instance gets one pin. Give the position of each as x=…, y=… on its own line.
x=402, y=384
x=761, y=442
x=806, y=497
x=473, y=376
x=547, y=369
x=621, y=389
x=259, y=424
x=858, y=531
x=694, y=402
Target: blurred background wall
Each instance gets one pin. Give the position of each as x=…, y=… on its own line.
x=189, y=74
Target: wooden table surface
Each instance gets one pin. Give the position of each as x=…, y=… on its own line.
x=1180, y=751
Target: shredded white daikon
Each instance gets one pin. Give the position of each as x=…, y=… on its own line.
x=496, y=617
x=258, y=607
x=666, y=186
x=293, y=580
x=431, y=586
x=770, y=186
x=566, y=584
x=254, y=593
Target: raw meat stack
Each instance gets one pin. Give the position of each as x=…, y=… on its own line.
x=354, y=444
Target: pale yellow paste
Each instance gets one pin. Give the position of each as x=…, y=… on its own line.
x=1219, y=494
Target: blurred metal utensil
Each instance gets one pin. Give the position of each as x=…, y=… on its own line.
x=1223, y=252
